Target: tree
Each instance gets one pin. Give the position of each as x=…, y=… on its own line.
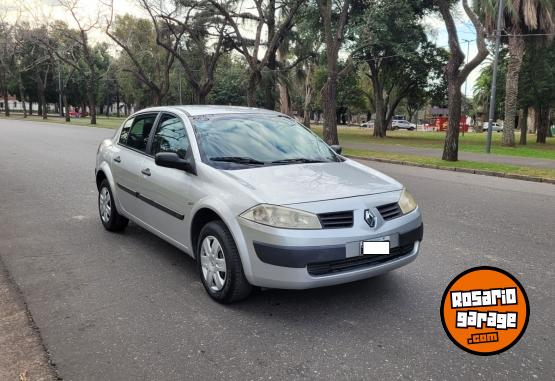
x=230, y=81
x=482, y=86
x=537, y=87
x=457, y=73
x=401, y=61
x=250, y=48
x=334, y=16
x=192, y=34
x=89, y=70
x=521, y=17
x=145, y=60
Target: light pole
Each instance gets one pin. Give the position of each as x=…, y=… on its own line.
x=494, y=79
x=179, y=76
x=60, y=89
x=466, y=83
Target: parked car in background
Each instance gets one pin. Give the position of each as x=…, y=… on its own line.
x=403, y=125
x=495, y=127
x=369, y=124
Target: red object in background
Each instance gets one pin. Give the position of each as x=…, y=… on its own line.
x=462, y=124
x=441, y=123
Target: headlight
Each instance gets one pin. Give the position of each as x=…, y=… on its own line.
x=406, y=202
x=281, y=217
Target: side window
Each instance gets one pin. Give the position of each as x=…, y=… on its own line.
x=171, y=136
x=137, y=135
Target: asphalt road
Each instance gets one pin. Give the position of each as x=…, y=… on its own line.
x=130, y=307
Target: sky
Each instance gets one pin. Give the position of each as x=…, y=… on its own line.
x=87, y=10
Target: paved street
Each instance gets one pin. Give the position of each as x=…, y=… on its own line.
x=131, y=307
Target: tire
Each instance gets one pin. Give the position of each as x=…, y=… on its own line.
x=235, y=286
x=111, y=220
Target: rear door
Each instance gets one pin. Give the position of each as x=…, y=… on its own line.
x=127, y=159
x=166, y=191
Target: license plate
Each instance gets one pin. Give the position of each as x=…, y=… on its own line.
x=374, y=247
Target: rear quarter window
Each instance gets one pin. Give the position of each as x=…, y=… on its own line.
x=125, y=131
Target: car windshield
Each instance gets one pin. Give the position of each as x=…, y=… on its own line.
x=235, y=141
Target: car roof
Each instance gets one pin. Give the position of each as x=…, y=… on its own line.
x=198, y=110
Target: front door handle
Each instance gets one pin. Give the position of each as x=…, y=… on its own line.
x=117, y=159
x=146, y=171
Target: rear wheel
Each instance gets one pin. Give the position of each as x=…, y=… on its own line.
x=109, y=216
x=219, y=264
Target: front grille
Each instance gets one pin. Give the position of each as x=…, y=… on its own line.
x=355, y=263
x=336, y=220
x=390, y=211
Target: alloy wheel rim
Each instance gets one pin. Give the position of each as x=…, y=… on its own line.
x=212, y=261
x=105, y=205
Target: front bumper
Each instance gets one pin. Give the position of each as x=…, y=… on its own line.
x=297, y=259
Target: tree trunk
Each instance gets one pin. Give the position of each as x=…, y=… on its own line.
x=329, y=102
x=66, y=106
x=92, y=104
x=6, y=105
x=516, y=52
x=451, y=147
x=254, y=80
x=30, y=106
x=523, y=126
x=203, y=91
x=380, y=124
x=118, y=114
x=308, y=91
x=284, y=99
x=543, y=124
x=43, y=102
x=21, y=93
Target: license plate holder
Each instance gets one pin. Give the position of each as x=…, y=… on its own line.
x=382, y=247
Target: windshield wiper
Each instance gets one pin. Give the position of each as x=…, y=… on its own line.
x=238, y=159
x=297, y=160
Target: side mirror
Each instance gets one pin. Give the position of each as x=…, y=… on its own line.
x=337, y=148
x=172, y=160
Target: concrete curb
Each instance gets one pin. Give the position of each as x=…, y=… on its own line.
x=462, y=170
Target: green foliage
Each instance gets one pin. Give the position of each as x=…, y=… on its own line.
x=390, y=39
x=482, y=86
x=537, y=77
x=230, y=83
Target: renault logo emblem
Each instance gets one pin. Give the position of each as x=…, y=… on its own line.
x=369, y=218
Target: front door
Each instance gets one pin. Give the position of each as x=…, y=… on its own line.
x=165, y=191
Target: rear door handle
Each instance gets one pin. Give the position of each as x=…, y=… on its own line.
x=146, y=171
x=117, y=159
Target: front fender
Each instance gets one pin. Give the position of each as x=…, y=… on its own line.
x=230, y=219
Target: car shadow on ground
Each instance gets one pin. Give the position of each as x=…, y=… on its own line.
x=355, y=299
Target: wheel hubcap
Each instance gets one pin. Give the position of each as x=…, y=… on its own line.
x=212, y=262
x=105, y=205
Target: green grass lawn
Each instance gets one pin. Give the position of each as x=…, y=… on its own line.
x=470, y=142
x=493, y=167
x=101, y=121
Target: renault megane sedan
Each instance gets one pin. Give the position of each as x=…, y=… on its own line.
x=255, y=197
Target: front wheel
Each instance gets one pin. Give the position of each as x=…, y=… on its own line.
x=109, y=216
x=219, y=264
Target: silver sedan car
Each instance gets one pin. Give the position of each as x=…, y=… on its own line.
x=255, y=197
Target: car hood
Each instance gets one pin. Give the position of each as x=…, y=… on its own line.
x=299, y=183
